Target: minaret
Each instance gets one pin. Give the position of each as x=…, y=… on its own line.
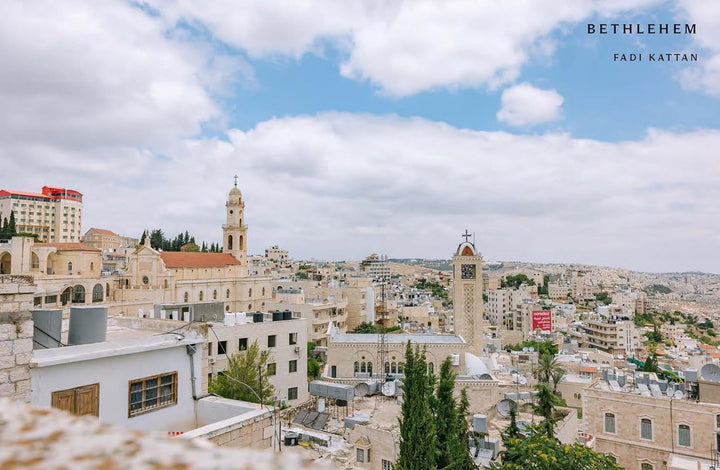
x=234, y=231
x=467, y=294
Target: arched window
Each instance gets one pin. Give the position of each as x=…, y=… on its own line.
x=186, y=297
x=646, y=429
x=263, y=292
x=5, y=263
x=35, y=263
x=92, y=266
x=200, y=296
x=227, y=294
x=240, y=245
x=646, y=466
x=684, y=435
x=250, y=292
x=356, y=367
x=107, y=290
x=97, y=295
x=400, y=367
x=369, y=368
x=249, y=306
x=214, y=294
x=363, y=367
x=393, y=368
x=165, y=284
x=230, y=240
x=70, y=267
x=262, y=306
x=610, y=423
x=387, y=367
x=78, y=294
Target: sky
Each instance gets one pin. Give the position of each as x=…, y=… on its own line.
x=372, y=126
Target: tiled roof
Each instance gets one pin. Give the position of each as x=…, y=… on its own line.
x=104, y=232
x=180, y=259
x=10, y=192
x=69, y=246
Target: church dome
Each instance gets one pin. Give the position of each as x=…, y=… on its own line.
x=235, y=192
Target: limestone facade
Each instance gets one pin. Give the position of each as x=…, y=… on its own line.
x=16, y=336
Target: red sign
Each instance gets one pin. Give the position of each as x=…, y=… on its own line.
x=542, y=319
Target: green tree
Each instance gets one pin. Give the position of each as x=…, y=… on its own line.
x=540, y=452
x=11, y=229
x=516, y=281
x=365, y=327
x=244, y=372
x=452, y=449
x=417, y=430
x=464, y=430
x=545, y=407
x=651, y=363
x=548, y=368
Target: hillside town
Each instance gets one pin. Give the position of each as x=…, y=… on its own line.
x=309, y=362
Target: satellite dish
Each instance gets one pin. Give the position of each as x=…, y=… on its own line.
x=525, y=349
x=531, y=349
x=503, y=407
x=710, y=372
x=678, y=394
x=388, y=389
x=669, y=392
x=522, y=380
x=495, y=354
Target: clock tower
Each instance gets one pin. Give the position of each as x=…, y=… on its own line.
x=467, y=294
x=234, y=231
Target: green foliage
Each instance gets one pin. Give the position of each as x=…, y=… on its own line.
x=542, y=347
x=7, y=228
x=543, y=289
x=540, y=452
x=603, y=297
x=301, y=274
x=437, y=290
x=182, y=242
x=545, y=407
x=417, y=431
x=365, y=328
x=659, y=288
x=651, y=363
x=243, y=374
x=706, y=325
x=313, y=368
x=516, y=281
x=29, y=235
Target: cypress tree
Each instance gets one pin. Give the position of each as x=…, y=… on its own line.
x=3, y=228
x=417, y=432
x=11, y=231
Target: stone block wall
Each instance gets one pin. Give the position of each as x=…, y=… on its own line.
x=16, y=336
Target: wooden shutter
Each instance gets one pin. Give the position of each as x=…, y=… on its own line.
x=83, y=400
x=64, y=400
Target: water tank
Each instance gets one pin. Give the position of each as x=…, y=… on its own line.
x=691, y=375
x=87, y=325
x=277, y=315
x=479, y=423
x=455, y=359
x=47, y=330
x=240, y=318
x=291, y=438
x=257, y=317
x=229, y=319
x=321, y=405
x=287, y=315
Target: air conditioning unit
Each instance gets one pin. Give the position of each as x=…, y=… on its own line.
x=297, y=349
x=211, y=360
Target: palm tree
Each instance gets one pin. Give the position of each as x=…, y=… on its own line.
x=549, y=368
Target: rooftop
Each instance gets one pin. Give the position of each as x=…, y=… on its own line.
x=68, y=246
x=398, y=339
x=181, y=259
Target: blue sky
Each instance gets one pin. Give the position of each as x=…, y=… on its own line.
x=383, y=126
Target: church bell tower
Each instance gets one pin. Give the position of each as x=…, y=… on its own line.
x=234, y=231
x=467, y=294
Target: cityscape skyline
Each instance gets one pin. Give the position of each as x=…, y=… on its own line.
x=390, y=128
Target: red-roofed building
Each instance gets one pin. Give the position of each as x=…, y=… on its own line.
x=180, y=259
x=108, y=241
x=54, y=215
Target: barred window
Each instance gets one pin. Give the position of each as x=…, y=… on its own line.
x=151, y=393
x=646, y=429
x=610, y=422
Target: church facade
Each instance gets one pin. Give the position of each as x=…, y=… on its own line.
x=357, y=357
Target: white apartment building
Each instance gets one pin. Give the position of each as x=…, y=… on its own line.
x=635, y=301
x=617, y=337
x=376, y=267
x=55, y=215
x=276, y=255
x=286, y=339
x=504, y=304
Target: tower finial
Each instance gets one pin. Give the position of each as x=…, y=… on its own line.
x=235, y=178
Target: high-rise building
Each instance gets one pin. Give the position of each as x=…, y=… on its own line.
x=54, y=215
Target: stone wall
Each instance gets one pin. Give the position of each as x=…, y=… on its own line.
x=16, y=336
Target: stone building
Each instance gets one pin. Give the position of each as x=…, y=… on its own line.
x=55, y=215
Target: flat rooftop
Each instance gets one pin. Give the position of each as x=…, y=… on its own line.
x=397, y=339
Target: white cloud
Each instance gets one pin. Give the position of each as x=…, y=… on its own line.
x=705, y=75
x=524, y=105
x=401, y=47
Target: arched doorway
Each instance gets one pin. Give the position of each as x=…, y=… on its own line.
x=5, y=262
x=66, y=296
x=34, y=261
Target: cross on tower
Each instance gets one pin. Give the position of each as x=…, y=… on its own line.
x=235, y=178
x=466, y=235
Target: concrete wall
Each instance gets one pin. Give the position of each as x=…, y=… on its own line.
x=254, y=429
x=113, y=374
x=16, y=331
